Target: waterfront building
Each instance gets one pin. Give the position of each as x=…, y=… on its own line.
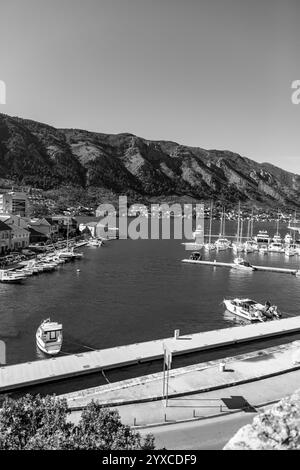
x=5, y=238
x=41, y=225
x=14, y=203
x=19, y=231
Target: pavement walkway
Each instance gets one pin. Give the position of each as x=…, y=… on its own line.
x=200, y=391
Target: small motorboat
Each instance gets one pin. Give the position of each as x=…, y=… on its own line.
x=49, y=337
x=241, y=263
x=94, y=242
x=252, y=310
x=196, y=256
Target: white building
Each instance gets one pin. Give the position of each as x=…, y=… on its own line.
x=14, y=203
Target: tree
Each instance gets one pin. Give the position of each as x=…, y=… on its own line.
x=35, y=422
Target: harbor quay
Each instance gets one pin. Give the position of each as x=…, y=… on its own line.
x=32, y=373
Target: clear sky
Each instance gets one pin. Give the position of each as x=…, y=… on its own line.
x=207, y=73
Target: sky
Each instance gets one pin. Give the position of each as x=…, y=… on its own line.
x=215, y=74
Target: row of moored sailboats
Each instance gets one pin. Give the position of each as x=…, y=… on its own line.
x=262, y=242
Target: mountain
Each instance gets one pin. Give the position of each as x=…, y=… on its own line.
x=38, y=155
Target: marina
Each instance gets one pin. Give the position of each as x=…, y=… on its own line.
x=58, y=368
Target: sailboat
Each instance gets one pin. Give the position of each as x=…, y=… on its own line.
x=276, y=245
x=222, y=243
x=67, y=253
x=210, y=246
x=237, y=246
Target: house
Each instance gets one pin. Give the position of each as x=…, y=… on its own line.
x=66, y=224
x=19, y=231
x=5, y=238
x=19, y=238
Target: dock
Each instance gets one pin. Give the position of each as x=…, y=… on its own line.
x=273, y=269
x=51, y=370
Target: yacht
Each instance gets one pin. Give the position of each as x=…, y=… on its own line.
x=252, y=310
x=49, y=337
x=262, y=237
x=276, y=246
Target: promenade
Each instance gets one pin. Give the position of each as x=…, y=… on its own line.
x=200, y=391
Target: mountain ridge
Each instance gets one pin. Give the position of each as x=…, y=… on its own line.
x=39, y=155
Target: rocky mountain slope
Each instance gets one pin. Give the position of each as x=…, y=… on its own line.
x=39, y=155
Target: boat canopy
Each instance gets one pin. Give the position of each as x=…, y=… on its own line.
x=51, y=326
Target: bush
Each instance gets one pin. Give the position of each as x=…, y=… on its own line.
x=41, y=423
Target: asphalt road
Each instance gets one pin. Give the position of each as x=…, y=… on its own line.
x=208, y=434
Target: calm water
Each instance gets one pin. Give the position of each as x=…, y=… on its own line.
x=131, y=291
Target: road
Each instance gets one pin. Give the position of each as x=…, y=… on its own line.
x=208, y=434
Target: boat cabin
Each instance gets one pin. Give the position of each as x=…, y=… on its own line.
x=51, y=332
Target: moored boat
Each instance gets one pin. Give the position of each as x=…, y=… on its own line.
x=252, y=310
x=49, y=337
x=241, y=263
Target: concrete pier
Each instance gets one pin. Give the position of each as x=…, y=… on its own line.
x=274, y=269
x=62, y=367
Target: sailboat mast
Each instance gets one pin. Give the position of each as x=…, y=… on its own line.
x=210, y=222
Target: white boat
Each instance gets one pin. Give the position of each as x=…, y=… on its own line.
x=290, y=251
x=11, y=277
x=276, y=247
x=192, y=245
x=222, y=244
x=263, y=249
x=252, y=310
x=237, y=247
x=209, y=246
x=241, y=263
x=49, y=337
x=288, y=239
x=95, y=242
x=262, y=237
x=250, y=246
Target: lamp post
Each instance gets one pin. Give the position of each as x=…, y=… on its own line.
x=166, y=372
